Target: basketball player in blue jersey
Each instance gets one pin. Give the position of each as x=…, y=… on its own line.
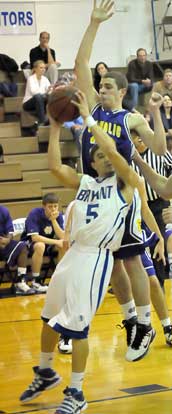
x=106, y=108
x=80, y=280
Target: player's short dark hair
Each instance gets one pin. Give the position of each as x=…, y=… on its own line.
x=50, y=198
x=119, y=78
x=92, y=152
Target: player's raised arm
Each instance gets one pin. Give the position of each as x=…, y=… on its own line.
x=107, y=145
x=83, y=72
x=67, y=175
x=162, y=185
x=155, y=140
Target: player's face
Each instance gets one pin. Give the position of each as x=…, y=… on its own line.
x=101, y=164
x=51, y=208
x=139, y=144
x=109, y=93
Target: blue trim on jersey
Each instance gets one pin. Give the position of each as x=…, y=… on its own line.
x=120, y=224
x=71, y=334
x=103, y=278
x=94, y=271
x=107, y=234
x=120, y=194
x=134, y=204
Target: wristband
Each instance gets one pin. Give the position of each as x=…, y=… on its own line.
x=90, y=121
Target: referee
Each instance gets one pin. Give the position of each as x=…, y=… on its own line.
x=162, y=164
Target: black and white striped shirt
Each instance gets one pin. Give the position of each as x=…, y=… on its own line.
x=162, y=164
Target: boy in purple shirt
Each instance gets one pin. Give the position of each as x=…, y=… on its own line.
x=13, y=252
x=43, y=229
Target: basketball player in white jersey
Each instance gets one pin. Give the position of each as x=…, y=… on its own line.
x=106, y=108
x=80, y=280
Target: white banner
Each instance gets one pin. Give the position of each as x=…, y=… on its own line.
x=17, y=18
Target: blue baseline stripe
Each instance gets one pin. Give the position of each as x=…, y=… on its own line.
x=107, y=234
x=103, y=277
x=122, y=220
x=94, y=271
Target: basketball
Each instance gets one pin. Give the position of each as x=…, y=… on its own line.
x=60, y=107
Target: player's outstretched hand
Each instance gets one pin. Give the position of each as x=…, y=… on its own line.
x=82, y=104
x=155, y=101
x=103, y=11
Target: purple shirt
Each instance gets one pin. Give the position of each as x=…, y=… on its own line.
x=6, y=224
x=38, y=223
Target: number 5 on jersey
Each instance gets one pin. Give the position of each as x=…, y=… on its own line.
x=91, y=212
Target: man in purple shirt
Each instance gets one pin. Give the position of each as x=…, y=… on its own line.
x=43, y=229
x=13, y=252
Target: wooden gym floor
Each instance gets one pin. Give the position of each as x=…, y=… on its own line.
x=112, y=385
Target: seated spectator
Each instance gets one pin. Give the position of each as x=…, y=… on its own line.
x=166, y=114
x=1, y=154
x=35, y=97
x=140, y=79
x=43, y=52
x=13, y=252
x=100, y=70
x=43, y=229
x=164, y=86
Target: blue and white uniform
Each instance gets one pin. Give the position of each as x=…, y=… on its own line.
x=80, y=280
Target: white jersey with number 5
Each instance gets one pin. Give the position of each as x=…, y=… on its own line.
x=99, y=213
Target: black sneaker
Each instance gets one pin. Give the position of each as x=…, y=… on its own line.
x=139, y=347
x=168, y=334
x=73, y=403
x=130, y=326
x=45, y=379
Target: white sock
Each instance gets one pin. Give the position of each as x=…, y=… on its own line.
x=35, y=275
x=46, y=360
x=165, y=322
x=144, y=314
x=21, y=271
x=77, y=380
x=129, y=309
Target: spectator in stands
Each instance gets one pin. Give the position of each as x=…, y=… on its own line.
x=13, y=252
x=165, y=85
x=37, y=87
x=100, y=70
x=43, y=229
x=43, y=52
x=140, y=78
x=1, y=154
x=166, y=114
